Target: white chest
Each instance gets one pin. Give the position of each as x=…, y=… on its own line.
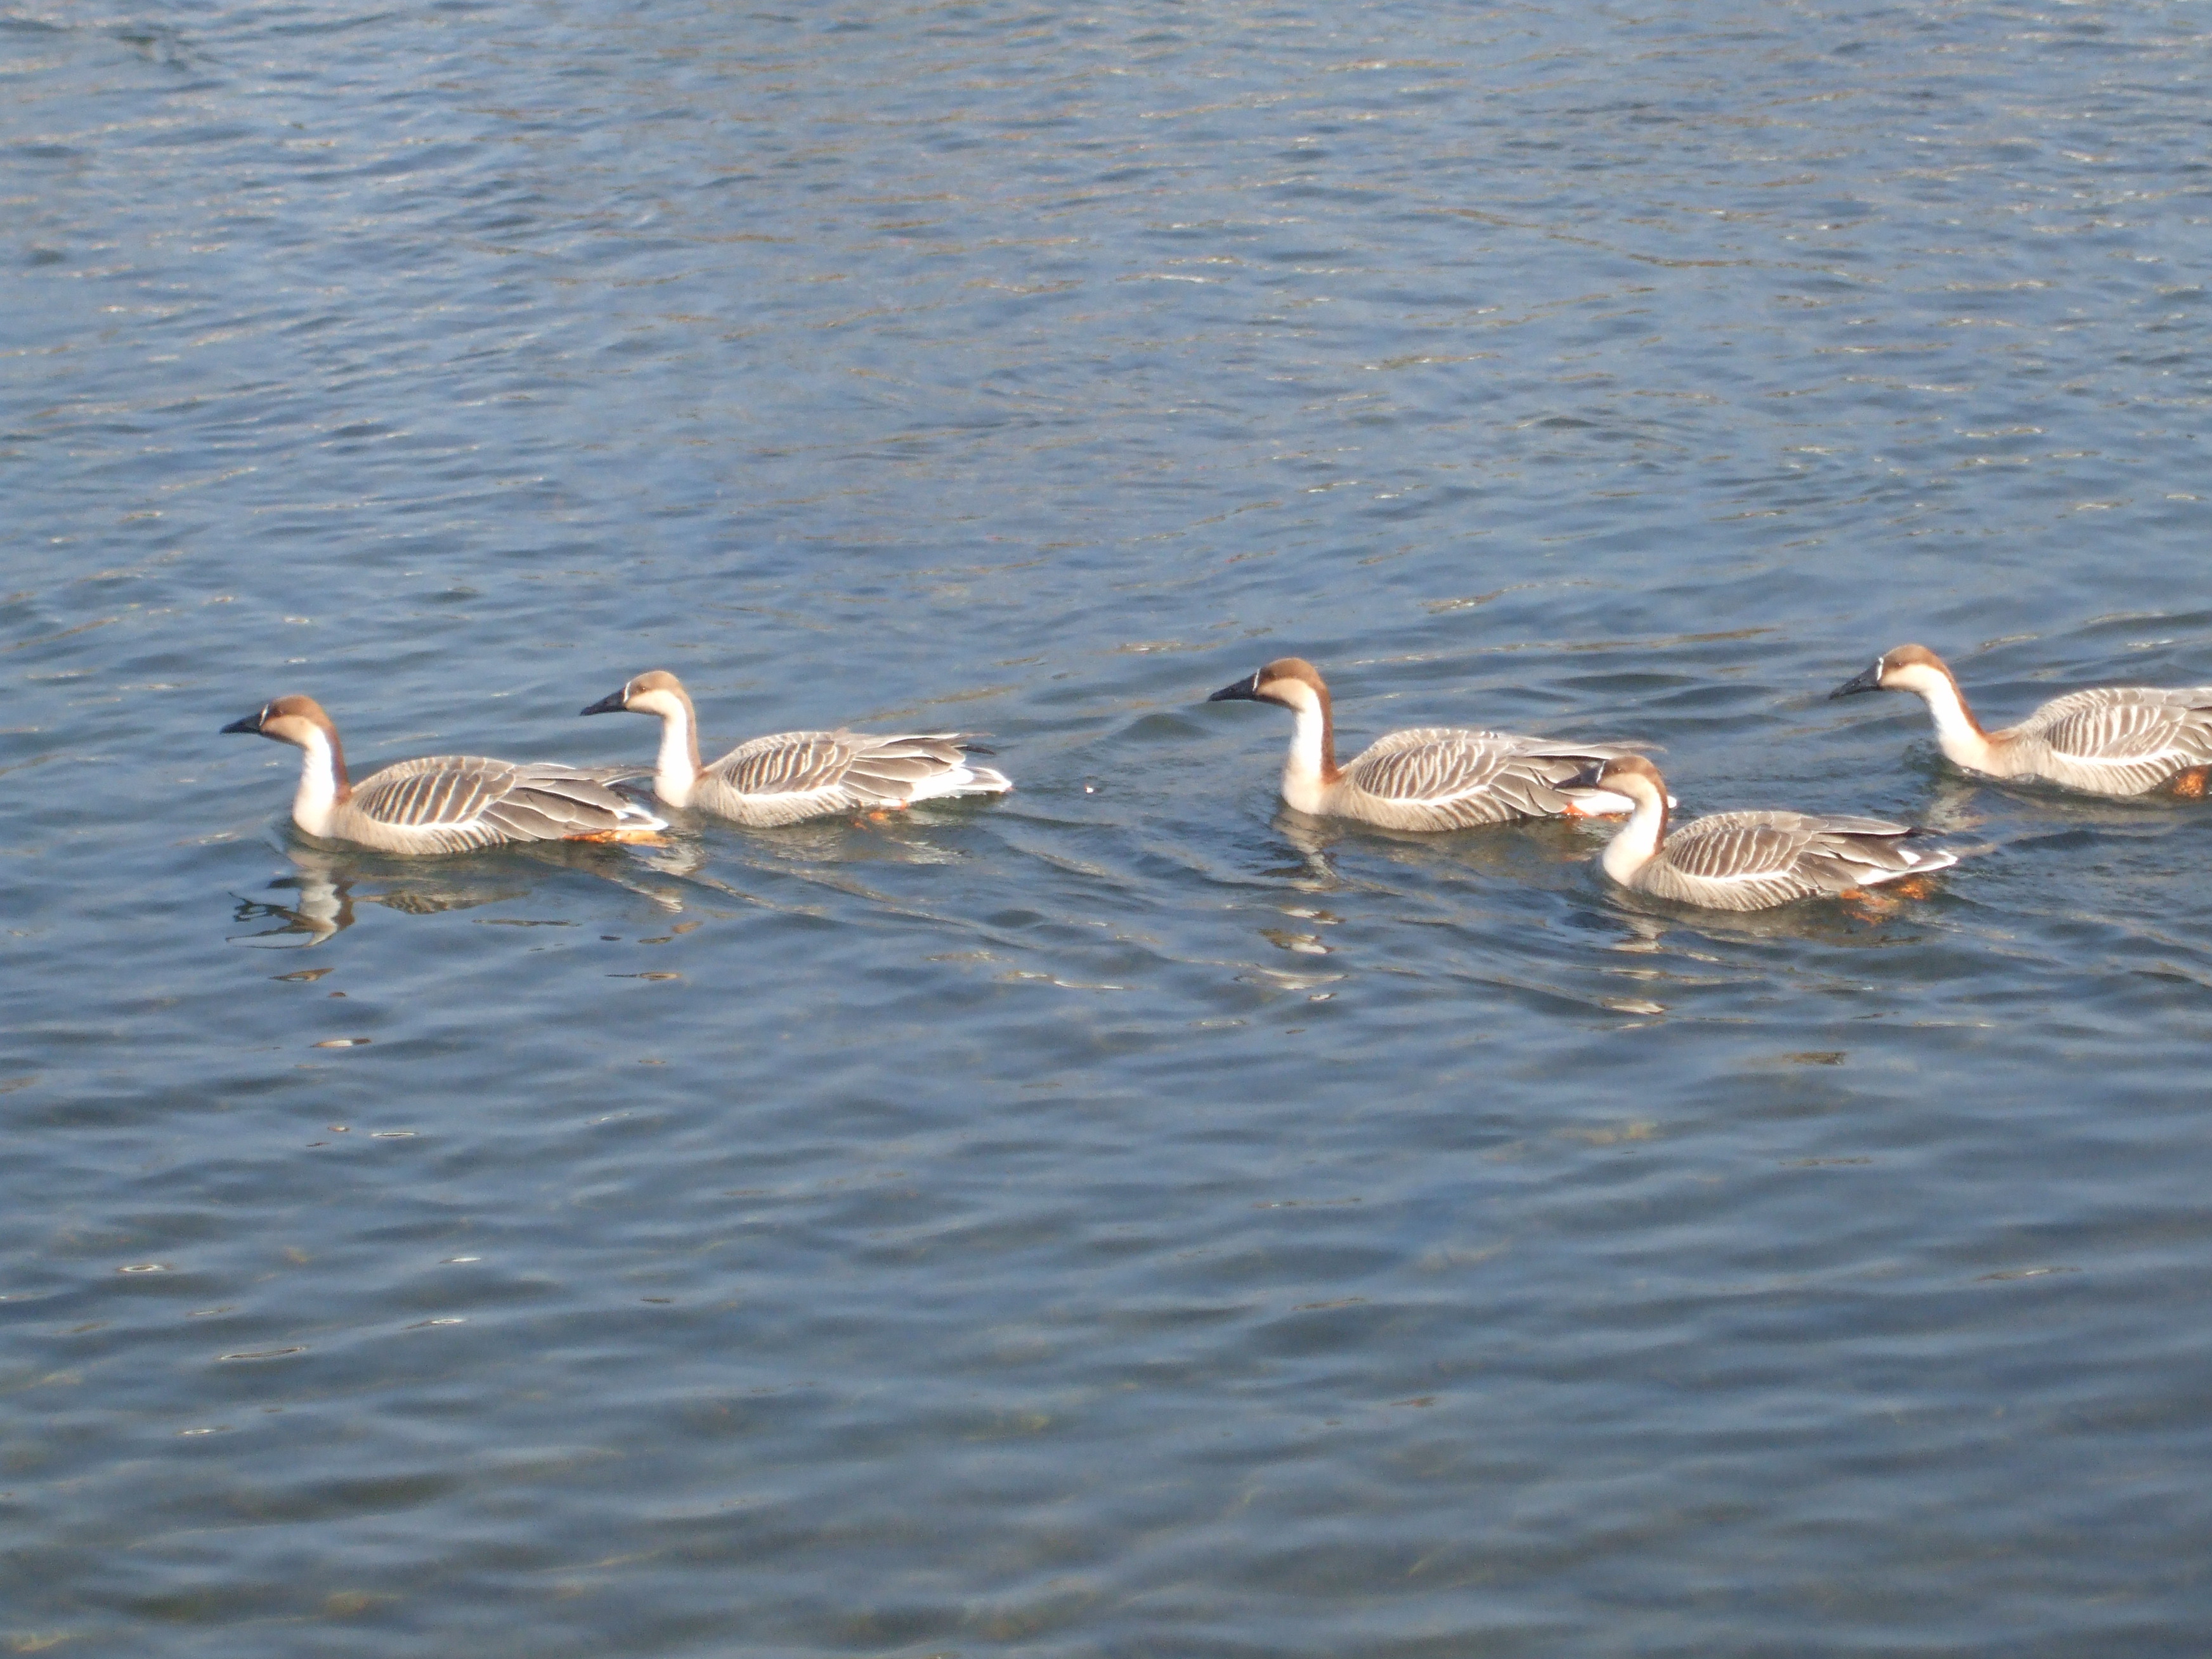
x=1302, y=788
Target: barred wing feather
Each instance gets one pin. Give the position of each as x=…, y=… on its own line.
x=1738, y=845
x=2125, y=723
x=1435, y=777
x=1750, y=861
x=456, y=802
x=441, y=791
x=793, y=775
x=788, y=762
x=1429, y=763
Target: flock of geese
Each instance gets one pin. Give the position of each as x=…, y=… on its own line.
x=2115, y=740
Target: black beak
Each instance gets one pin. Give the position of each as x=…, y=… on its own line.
x=251, y=723
x=1247, y=690
x=611, y=704
x=1585, y=779
x=1870, y=681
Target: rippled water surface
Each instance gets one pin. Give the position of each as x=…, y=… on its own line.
x=1126, y=1218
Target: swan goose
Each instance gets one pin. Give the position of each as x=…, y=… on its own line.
x=2110, y=740
x=793, y=775
x=1428, y=777
x=442, y=803
x=1746, y=861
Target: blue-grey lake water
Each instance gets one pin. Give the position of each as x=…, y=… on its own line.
x=1125, y=1217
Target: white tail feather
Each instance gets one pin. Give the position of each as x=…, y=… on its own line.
x=962, y=780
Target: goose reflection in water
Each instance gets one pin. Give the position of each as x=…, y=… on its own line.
x=327, y=887
x=2009, y=809
x=1517, y=851
x=1314, y=840
x=324, y=897
x=902, y=837
x=1871, y=917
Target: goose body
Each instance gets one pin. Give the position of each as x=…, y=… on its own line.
x=1748, y=861
x=790, y=777
x=442, y=803
x=2110, y=740
x=1428, y=777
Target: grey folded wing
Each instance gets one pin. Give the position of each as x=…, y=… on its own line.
x=465, y=800
x=1451, y=777
x=850, y=768
x=617, y=774
x=1759, y=847
x=786, y=764
x=1866, y=852
x=890, y=767
x=1749, y=860
x=2125, y=739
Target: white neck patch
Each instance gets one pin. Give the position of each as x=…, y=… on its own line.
x=318, y=784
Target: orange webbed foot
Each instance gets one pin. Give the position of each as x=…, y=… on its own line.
x=1868, y=905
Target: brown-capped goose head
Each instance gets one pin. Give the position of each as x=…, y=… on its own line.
x=1631, y=775
x=289, y=719
x=301, y=722
x=1908, y=668
x=1292, y=682
x=653, y=692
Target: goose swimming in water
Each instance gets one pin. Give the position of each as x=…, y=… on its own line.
x=793, y=775
x=1430, y=777
x=1746, y=861
x=442, y=803
x=2110, y=740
